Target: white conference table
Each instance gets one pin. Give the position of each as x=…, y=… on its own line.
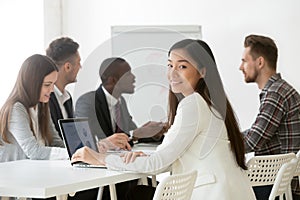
x=48, y=178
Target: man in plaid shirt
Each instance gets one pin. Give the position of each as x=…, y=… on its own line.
x=276, y=129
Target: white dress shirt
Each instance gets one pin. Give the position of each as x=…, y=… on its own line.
x=112, y=102
x=62, y=98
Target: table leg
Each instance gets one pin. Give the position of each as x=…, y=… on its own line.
x=62, y=197
x=113, y=194
x=154, y=183
x=143, y=181
x=100, y=193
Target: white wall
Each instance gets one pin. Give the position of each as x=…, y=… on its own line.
x=21, y=35
x=224, y=25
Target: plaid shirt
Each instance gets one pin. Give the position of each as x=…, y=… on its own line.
x=276, y=129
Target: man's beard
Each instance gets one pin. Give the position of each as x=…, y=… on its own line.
x=251, y=79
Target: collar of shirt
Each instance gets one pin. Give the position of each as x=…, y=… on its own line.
x=62, y=97
x=111, y=100
x=271, y=80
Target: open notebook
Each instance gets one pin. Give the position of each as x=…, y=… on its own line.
x=76, y=134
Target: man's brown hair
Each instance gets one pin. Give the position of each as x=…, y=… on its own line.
x=262, y=46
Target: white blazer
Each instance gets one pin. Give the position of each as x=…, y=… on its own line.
x=196, y=140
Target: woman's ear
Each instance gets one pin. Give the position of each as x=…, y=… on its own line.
x=202, y=72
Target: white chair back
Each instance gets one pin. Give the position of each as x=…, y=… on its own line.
x=262, y=170
x=283, y=181
x=297, y=171
x=178, y=186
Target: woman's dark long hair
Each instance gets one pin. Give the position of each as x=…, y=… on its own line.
x=27, y=91
x=211, y=89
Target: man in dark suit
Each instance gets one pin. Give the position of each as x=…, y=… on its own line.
x=100, y=106
x=64, y=52
x=108, y=113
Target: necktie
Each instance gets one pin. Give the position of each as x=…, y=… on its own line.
x=118, y=118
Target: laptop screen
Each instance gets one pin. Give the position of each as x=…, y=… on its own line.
x=76, y=134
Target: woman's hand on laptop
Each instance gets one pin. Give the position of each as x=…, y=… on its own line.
x=88, y=155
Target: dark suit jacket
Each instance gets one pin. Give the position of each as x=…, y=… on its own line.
x=94, y=106
x=56, y=113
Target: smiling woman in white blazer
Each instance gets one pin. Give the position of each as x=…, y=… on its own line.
x=203, y=133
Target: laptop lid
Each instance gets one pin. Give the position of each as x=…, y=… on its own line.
x=76, y=134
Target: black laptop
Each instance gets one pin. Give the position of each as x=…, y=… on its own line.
x=76, y=134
